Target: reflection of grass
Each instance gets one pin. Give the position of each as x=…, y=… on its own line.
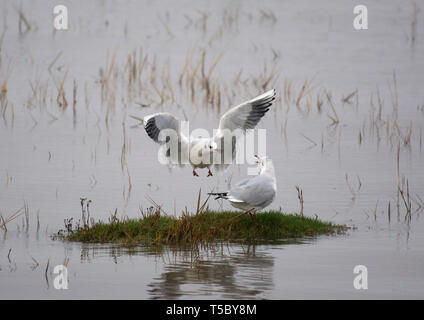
x=207, y=226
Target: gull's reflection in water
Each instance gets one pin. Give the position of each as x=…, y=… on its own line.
x=230, y=271
x=241, y=272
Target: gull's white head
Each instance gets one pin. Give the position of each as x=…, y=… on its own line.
x=211, y=146
x=265, y=164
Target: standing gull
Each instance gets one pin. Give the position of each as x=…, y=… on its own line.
x=255, y=193
x=235, y=122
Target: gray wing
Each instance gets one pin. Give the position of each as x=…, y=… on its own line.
x=248, y=114
x=155, y=123
x=258, y=191
x=237, y=120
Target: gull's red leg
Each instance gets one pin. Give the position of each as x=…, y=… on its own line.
x=210, y=173
x=195, y=173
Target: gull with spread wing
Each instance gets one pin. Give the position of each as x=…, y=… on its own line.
x=235, y=122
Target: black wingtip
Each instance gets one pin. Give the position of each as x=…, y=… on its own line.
x=220, y=195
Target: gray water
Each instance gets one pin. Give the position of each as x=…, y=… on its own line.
x=49, y=158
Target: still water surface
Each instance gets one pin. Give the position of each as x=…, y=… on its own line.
x=49, y=158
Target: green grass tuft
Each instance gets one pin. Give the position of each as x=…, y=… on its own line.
x=208, y=226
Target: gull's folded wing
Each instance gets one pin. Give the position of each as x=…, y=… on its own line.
x=257, y=191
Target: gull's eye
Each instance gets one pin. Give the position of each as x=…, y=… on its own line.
x=210, y=147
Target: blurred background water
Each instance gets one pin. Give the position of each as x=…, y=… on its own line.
x=349, y=103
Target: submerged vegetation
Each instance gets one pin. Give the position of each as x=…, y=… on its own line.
x=207, y=226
